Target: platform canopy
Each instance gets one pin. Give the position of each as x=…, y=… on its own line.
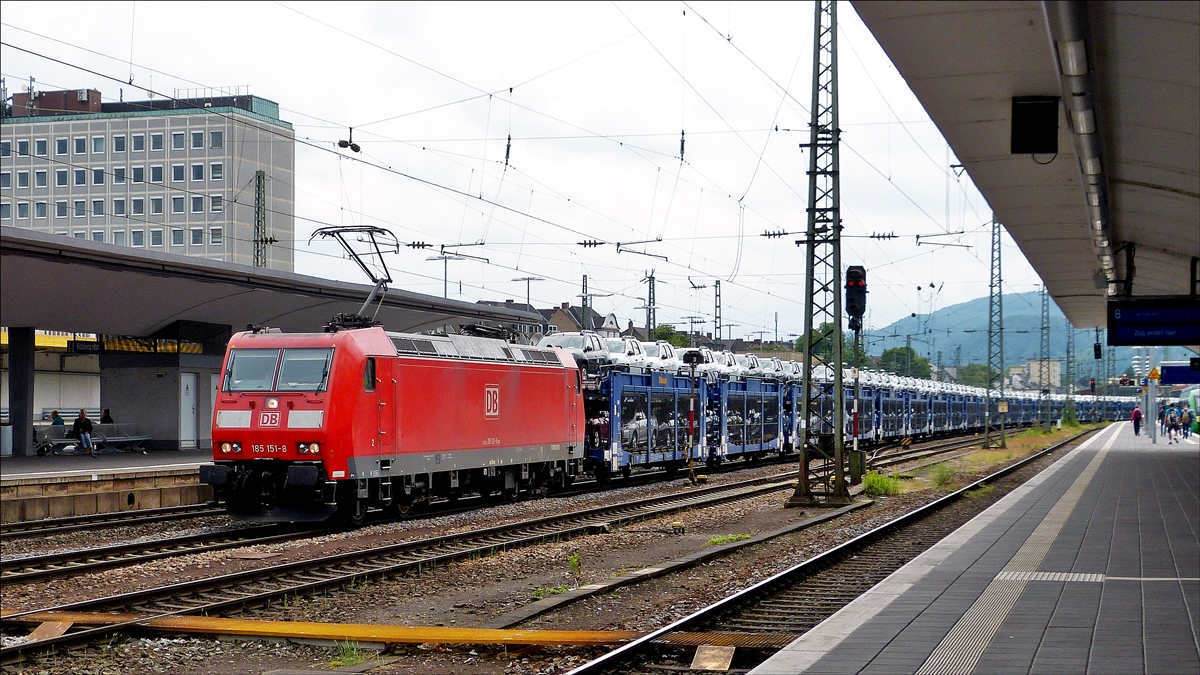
x=59, y=283
x=965, y=61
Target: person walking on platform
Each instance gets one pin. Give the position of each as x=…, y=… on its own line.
x=82, y=429
x=1173, y=425
x=56, y=420
x=1162, y=420
x=106, y=417
x=1186, y=420
x=1136, y=418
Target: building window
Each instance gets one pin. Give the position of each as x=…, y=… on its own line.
x=197, y=204
x=81, y=145
x=118, y=144
x=197, y=237
x=118, y=207
x=81, y=176
x=5, y=148
x=80, y=208
x=156, y=237
x=177, y=237
x=22, y=179
x=176, y=204
x=156, y=174
x=39, y=210
x=60, y=209
x=5, y=179
x=5, y=211
x=60, y=177
x=137, y=238
x=22, y=150
x=215, y=236
x=60, y=146
x=97, y=207
x=177, y=172
x=40, y=179
x=177, y=140
x=81, y=235
x=139, y=142
x=216, y=171
x=97, y=145
x=217, y=138
x=23, y=210
x=97, y=176
x=41, y=147
x=217, y=203
x=197, y=172
x=137, y=206
x=197, y=139
x=156, y=141
x=98, y=235
x=118, y=175
x=119, y=237
x=156, y=206
x=139, y=174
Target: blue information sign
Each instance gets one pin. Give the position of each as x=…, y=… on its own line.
x=1166, y=321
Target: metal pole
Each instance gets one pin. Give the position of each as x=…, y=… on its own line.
x=692, y=426
x=995, y=368
x=823, y=281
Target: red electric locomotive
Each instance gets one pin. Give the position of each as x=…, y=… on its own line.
x=308, y=425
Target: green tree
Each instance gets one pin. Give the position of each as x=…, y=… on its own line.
x=974, y=375
x=904, y=361
x=825, y=348
x=669, y=334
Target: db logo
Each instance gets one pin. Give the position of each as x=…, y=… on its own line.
x=268, y=418
x=491, y=401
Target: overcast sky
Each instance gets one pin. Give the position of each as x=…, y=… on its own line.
x=599, y=95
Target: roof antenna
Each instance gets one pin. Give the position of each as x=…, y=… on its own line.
x=378, y=240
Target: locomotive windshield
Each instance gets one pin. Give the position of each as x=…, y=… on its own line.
x=304, y=370
x=301, y=370
x=252, y=369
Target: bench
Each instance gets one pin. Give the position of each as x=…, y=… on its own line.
x=124, y=437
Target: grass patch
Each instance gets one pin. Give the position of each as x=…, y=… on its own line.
x=941, y=475
x=546, y=591
x=727, y=539
x=980, y=491
x=877, y=484
x=349, y=654
x=576, y=564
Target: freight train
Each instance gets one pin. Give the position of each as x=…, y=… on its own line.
x=313, y=426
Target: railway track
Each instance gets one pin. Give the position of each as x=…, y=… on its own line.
x=797, y=599
x=49, y=526
x=261, y=586
x=35, y=567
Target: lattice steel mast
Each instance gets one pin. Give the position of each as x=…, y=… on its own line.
x=993, y=435
x=1070, y=388
x=822, y=427
x=1044, y=364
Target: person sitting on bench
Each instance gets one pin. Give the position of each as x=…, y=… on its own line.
x=82, y=429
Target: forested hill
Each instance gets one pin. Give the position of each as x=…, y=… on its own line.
x=966, y=324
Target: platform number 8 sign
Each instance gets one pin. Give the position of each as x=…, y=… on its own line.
x=491, y=401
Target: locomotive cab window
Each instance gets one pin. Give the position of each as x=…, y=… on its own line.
x=251, y=369
x=304, y=370
x=369, y=375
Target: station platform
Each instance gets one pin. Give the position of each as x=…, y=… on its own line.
x=1093, y=566
x=55, y=486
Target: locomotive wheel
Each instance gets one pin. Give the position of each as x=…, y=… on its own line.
x=400, y=509
x=355, y=512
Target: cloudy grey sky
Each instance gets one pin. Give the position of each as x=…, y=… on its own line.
x=594, y=96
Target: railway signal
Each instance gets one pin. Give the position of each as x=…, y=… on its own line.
x=1092, y=382
x=856, y=295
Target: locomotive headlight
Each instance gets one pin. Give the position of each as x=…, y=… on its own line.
x=226, y=448
x=237, y=447
x=314, y=448
x=273, y=404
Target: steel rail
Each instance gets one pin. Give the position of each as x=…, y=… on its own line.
x=47, y=526
x=261, y=585
x=621, y=659
x=29, y=568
